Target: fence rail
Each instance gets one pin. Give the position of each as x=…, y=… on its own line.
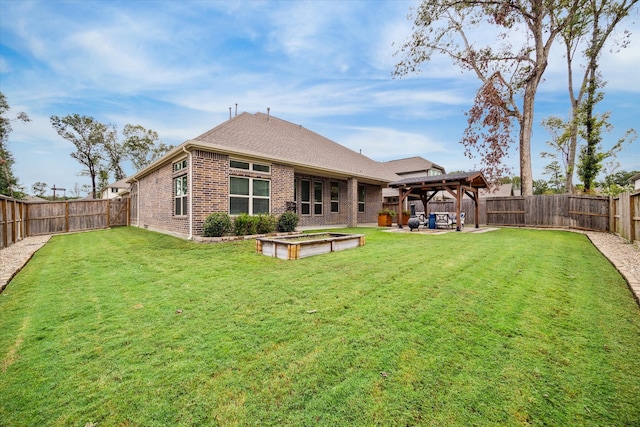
x=19, y=219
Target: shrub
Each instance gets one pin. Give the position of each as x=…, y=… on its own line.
x=288, y=221
x=266, y=224
x=245, y=224
x=217, y=224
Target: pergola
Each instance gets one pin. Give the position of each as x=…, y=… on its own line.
x=456, y=184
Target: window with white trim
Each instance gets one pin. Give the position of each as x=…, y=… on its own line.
x=182, y=164
x=317, y=197
x=335, y=196
x=305, y=197
x=180, y=195
x=362, y=198
x=249, y=195
x=239, y=164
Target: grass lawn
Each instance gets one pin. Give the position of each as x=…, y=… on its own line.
x=126, y=327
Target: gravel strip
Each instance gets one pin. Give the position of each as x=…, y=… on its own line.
x=14, y=257
x=622, y=254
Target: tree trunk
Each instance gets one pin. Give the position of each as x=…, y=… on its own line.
x=526, y=128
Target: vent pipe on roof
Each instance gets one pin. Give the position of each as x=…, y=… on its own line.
x=236, y=109
x=229, y=113
x=268, y=112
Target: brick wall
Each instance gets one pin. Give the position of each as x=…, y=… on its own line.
x=208, y=185
x=156, y=201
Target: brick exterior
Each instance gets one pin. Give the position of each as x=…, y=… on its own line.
x=208, y=192
x=155, y=201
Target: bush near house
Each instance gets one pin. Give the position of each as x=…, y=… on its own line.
x=288, y=222
x=217, y=224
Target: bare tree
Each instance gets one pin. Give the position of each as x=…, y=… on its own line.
x=509, y=75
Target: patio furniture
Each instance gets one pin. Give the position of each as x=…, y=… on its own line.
x=443, y=220
x=454, y=221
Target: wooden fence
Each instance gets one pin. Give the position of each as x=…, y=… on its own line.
x=554, y=210
x=19, y=219
x=557, y=210
x=625, y=216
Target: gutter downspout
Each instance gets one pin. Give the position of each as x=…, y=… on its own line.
x=137, y=203
x=189, y=192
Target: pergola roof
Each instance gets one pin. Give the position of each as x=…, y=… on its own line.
x=473, y=179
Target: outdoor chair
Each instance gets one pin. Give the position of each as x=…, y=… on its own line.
x=454, y=222
x=443, y=219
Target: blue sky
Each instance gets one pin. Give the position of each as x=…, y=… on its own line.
x=177, y=66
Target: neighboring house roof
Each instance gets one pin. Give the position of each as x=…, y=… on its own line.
x=411, y=165
x=35, y=199
x=504, y=190
x=634, y=178
x=120, y=184
x=266, y=137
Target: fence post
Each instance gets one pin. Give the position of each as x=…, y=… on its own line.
x=26, y=219
x=14, y=238
x=5, y=229
x=108, y=213
x=66, y=216
x=632, y=219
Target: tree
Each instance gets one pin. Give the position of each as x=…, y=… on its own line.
x=88, y=136
x=540, y=186
x=39, y=188
x=8, y=182
x=141, y=146
x=615, y=183
x=592, y=156
x=556, y=182
x=599, y=19
x=509, y=75
x=560, y=133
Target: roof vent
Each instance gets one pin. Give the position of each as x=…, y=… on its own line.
x=268, y=112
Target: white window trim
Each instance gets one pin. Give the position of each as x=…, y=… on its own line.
x=249, y=196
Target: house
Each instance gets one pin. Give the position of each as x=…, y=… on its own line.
x=117, y=189
x=503, y=190
x=255, y=164
x=635, y=181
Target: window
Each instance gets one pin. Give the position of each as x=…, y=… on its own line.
x=335, y=196
x=317, y=198
x=249, y=195
x=434, y=172
x=114, y=190
x=238, y=164
x=362, y=197
x=182, y=164
x=180, y=188
x=305, y=197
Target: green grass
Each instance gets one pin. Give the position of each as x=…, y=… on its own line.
x=129, y=327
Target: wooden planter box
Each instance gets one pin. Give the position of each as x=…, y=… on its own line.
x=303, y=246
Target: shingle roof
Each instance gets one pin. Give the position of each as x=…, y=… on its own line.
x=269, y=137
x=411, y=164
x=449, y=177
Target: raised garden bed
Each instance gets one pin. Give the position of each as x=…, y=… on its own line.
x=302, y=246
